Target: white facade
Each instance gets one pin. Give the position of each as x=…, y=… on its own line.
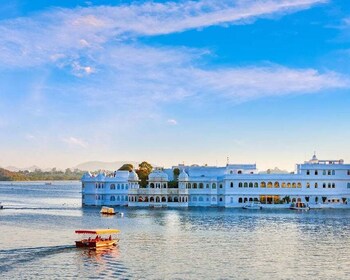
x=320, y=183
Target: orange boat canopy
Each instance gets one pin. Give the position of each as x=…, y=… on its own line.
x=97, y=231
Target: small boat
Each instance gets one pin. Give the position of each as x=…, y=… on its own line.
x=253, y=206
x=100, y=240
x=299, y=206
x=107, y=210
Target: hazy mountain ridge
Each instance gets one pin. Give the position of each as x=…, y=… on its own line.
x=102, y=165
x=275, y=170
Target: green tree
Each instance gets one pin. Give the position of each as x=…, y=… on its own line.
x=127, y=167
x=144, y=170
x=176, y=173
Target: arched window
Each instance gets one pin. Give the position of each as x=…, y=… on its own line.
x=201, y=186
x=220, y=186
x=283, y=185
x=213, y=186
x=112, y=198
x=277, y=185
x=294, y=185
x=195, y=185
x=151, y=185
x=329, y=185
x=269, y=184
x=250, y=199
x=324, y=172
x=170, y=199
x=316, y=185
x=151, y=199
x=307, y=172
x=348, y=185
x=240, y=200
x=262, y=185
x=316, y=172
x=193, y=199
x=307, y=185
x=240, y=185
x=231, y=184
x=245, y=200
x=207, y=186
x=333, y=185
x=246, y=185
x=118, y=187
x=122, y=187
x=324, y=185
x=126, y=198
x=200, y=198
x=256, y=185
x=118, y=198
x=250, y=185
x=239, y=172
x=189, y=185
x=220, y=198
x=157, y=199
x=329, y=172
x=163, y=199
x=299, y=185
x=112, y=187
x=288, y=185
x=214, y=198
x=333, y=172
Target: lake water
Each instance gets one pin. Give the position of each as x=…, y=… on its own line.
x=37, y=240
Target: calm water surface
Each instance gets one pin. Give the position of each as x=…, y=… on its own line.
x=37, y=238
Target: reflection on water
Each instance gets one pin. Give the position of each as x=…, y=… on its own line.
x=37, y=240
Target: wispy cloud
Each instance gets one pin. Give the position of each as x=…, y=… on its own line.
x=63, y=34
x=99, y=46
x=75, y=142
x=172, y=122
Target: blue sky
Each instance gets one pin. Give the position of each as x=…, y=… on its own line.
x=174, y=81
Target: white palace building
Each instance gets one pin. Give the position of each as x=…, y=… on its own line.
x=320, y=183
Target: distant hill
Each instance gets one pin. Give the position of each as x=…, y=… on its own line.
x=16, y=169
x=108, y=166
x=275, y=170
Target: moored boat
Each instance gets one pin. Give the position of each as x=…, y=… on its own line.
x=1, y=206
x=299, y=206
x=107, y=210
x=100, y=240
x=253, y=206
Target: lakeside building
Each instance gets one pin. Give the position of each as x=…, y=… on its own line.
x=320, y=183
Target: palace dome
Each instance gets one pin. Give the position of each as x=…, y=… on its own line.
x=100, y=176
x=158, y=175
x=87, y=175
x=183, y=176
x=133, y=176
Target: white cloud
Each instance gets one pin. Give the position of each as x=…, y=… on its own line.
x=70, y=34
x=172, y=122
x=75, y=142
x=30, y=137
x=96, y=40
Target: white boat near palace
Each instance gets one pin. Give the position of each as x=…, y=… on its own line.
x=318, y=183
x=253, y=206
x=301, y=206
